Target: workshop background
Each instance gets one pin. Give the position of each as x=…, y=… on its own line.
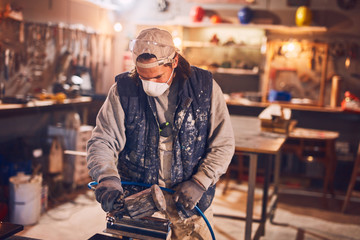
x=58, y=58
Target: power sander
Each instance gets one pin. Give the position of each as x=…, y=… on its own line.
x=141, y=204
x=132, y=217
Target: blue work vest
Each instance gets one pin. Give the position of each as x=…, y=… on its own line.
x=139, y=161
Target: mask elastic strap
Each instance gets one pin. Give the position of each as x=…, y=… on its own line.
x=155, y=64
x=172, y=73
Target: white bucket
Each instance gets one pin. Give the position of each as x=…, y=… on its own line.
x=25, y=199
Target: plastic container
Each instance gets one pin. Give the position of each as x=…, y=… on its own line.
x=279, y=96
x=25, y=199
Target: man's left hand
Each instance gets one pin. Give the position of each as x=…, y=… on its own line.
x=189, y=193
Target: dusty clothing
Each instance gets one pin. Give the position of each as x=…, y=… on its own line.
x=192, y=228
x=166, y=106
x=139, y=161
x=108, y=139
x=113, y=127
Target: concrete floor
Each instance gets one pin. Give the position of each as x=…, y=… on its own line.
x=306, y=216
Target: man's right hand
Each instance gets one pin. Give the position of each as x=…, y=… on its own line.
x=108, y=191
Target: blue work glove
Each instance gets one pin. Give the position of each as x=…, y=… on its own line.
x=189, y=193
x=108, y=191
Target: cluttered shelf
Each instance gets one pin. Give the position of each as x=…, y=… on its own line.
x=245, y=102
x=234, y=71
x=10, y=109
x=269, y=27
x=202, y=44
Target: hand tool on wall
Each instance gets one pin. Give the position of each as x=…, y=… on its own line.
x=313, y=58
x=2, y=90
x=352, y=60
x=6, y=63
x=21, y=33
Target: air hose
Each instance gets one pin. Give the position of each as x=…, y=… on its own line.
x=94, y=183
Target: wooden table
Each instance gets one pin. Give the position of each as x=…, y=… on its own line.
x=315, y=145
x=249, y=139
x=37, y=106
x=32, y=119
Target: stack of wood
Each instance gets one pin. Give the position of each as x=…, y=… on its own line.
x=277, y=119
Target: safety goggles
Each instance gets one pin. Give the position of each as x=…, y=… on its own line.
x=164, y=53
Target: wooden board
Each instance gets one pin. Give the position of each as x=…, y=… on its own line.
x=250, y=138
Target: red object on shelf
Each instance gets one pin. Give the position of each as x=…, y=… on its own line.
x=350, y=103
x=215, y=19
x=197, y=13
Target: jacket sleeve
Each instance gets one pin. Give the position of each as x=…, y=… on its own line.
x=108, y=138
x=221, y=141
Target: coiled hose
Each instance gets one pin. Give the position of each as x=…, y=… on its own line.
x=94, y=183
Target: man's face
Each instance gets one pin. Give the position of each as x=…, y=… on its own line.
x=160, y=74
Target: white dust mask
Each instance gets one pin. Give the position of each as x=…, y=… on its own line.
x=155, y=89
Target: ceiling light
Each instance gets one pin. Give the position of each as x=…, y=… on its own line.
x=118, y=27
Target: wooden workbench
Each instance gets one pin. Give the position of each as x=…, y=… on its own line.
x=250, y=140
x=33, y=106
x=320, y=118
x=315, y=145
x=32, y=119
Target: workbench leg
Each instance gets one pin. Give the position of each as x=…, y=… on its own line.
x=250, y=197
x=277, y=169
x=277, y=172
x=330, y=168
x=261, y=229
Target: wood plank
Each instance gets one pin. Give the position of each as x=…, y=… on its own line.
x=250, y=138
